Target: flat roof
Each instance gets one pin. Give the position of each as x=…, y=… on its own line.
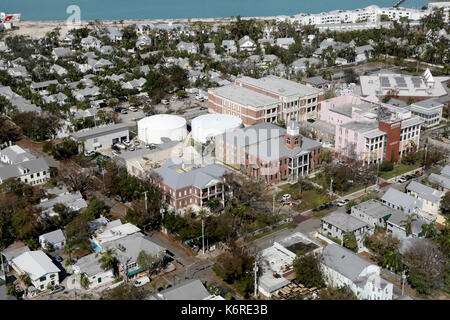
x=280, y=86
x=100, y=131
x=244, y=96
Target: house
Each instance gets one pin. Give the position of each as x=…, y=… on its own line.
x=373, y=212
x=61, y=53
x=317, y=82
x=98, y=65
x=429, y=110
x=19, y=72
x=340, y=61
x=285, y=42
x=102, y=224
x=52, y=240
x=86, y=93
x=60, y=71
x=107, y=50
x=127, y=250
x=72, y=200
x=189, y=47
x=143, y=40
x=39, y=267
x=192, y=188
x=12, y=251
x=59, y=98
x=402, y=201
x=268, y=152
x=106, y=235
x=363, y=53
x=229, y=46
x=430, y=198
x=91, y=267
x=18, y=102
x=90, y=42
x=210, y=48
x=134, y=84
x=303, y=63
x=32, y=172
x=15, y=154
x=41, y=87
x=103, y=136
x=397, y=225
x=188, y=290
x=246, y=44
x=342, y=267
x=337, y=224
x=66, y=39
x=441, y=180
x=114, y=34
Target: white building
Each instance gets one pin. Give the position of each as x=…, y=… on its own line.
x=39, y=267
x=337, y=224
x=55, y=239
x=373, y=212
x=430, y=198
x=32, y=172
x=246, y=44
x=101, y=137
x=429, y=110
x=99, y=240
x=91, y=267
x=341, y=267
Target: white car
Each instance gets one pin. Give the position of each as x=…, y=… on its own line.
x=286, y=197
x=141, y=281
x=127, y=143
x=164, y=101
x=341, y=203
x=133, y=109
x=89, y=153
x=121, y=146
x=402, y=179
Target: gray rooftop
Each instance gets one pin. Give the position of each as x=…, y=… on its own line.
x=443, y=181
x=375, y=209
x=54, y=237
x=14, y=250
x=317, y=80
x=280, y=86
x=188, y=290
x=34, y=166
x=133, y=244
x=401, y=199
x=344, y=261
x=90, y=264
x=425, y=192
x=428, y=104
x=244, y=96
x=100, y=131
x=16, y=154
x=344, y=221
x=198, y=177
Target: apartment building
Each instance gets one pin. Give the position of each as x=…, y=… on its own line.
x=429, y=110
x=192, y=188
x=268, y=152
x=268, y=99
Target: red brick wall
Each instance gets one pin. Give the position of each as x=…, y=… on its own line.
x=393, y=131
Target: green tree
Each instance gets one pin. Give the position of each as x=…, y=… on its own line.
x=148, y=262
x=95, y=209
x=350, y=241
x=307, y=271
x=84, y=280
x=333, y=293
x=108, y=260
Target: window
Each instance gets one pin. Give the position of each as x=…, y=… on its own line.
x=99, y=280
x=42, y=278
x=296, y=141
x=288, y=140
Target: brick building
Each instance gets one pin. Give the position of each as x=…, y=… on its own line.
x=269, y=152
x=269, y=99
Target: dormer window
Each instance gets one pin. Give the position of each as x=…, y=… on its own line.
x=296, y=141
x=288, y=140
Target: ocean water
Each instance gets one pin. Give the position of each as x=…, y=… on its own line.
x=177, y=9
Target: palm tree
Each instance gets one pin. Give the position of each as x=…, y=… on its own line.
x=408, y=222
x=391, y=258
x=108, y=261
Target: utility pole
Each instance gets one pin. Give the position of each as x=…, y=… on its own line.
x=273, y=205
x=378, y=169
x=403, y=281
x=3, y=276
x=331, y=186
x=203, y=236
x=255, y=270
x=145, y=193
x=162, y=220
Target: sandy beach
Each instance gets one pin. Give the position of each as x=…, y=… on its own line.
x=37, y=29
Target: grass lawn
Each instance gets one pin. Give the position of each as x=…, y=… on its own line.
x=283, y=226
x=353, y=188
x=309, y=198
x=399, y=169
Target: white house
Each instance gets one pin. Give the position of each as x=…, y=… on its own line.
x=189, y=47
x=430, y=198
x=55, y=239
x=363, y=53
x=247, y=44
x=397, y=225
x=429, y=110
x=341, y=267
x=337, y=224
x=39, y=267
x=229, y=46
x=90, y=42
x=91, y=267
x=32, y=172
x=285, y=42
x=373, y=212
x=401, y=201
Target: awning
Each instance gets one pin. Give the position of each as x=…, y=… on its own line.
x=132, y=273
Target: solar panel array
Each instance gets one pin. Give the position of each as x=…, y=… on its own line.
x=416, y=82
x=400, y=82
x=385, y=82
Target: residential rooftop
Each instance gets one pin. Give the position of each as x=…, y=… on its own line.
x=344, y=221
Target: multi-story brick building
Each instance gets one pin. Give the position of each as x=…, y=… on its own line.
x=269, y=152
x=269, y=99
x=192, y=188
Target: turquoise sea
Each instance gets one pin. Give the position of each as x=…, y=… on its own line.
x=176, y=9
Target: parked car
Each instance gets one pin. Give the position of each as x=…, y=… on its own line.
x=58, y=258
x=131, y=148
x=120, y=146
x=202, y=108
x=127, y=143
x=402, y=179
x=164, y=101
x=341, y=203
x=123, y=111
x=141, y=281
x=136, y=143
x=286, y=196
x=133, y=109
x=89, y=153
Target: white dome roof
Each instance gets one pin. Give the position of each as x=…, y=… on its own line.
x=213, y=124
x=153, y=128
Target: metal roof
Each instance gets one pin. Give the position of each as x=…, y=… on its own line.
x=188, y=290
x=36, y=263
x=100, y=131
x=344, y=221
x=425, y=192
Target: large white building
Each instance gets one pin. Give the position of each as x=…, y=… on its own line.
x=152, y=129
x=341, y=267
